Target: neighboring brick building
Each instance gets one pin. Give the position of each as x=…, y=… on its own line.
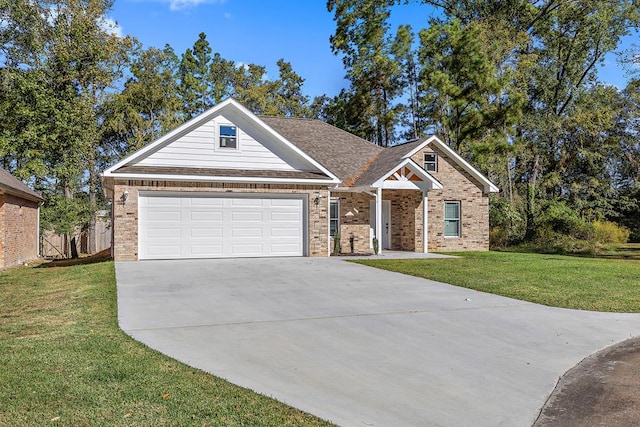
x=230, y=184
x=19, y=221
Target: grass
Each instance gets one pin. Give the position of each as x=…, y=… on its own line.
x=596, y=284
x=629, y=251
x=64, y=361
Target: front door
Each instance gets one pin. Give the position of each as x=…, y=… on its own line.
x=385, y=242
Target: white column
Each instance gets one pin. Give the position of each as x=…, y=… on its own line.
x=379, y=218
x=425, y=221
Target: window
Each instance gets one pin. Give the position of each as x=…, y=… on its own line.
x=431, y=162
x=228, y=137
x=334, y=217
x=451, y=219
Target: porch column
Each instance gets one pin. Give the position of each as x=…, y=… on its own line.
x=379, y=218
x=425, y=221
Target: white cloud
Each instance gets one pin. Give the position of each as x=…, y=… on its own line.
x=111, y=27
x=178, y=5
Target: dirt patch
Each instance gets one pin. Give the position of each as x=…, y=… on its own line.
x=602, y=390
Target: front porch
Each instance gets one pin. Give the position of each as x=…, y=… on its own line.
x=354, y=216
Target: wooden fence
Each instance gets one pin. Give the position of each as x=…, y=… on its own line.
x=52, y=245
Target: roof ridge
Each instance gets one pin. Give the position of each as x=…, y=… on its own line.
x=310, y=119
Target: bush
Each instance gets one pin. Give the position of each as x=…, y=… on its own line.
x=506, y=223
x=607, y=233
x=556, y=217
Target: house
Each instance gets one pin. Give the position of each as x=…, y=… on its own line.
x=19, y=221
x=231, y=184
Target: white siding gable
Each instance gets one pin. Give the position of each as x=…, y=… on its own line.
x=198, y=148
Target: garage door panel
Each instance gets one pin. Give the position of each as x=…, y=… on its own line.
x=285, y=249
x=246, y=202
x=206, y=201
x=254, y=233
x=246, y=216
x=208, y=226
x=164, y=251
x=162, y=201
x=206, y=216
x=247, y=249
x=164, y=233
x=285, y=232
x=206, y=233
x=164, y=216
x=292, y=217
x=285, y=203
x=208, y=250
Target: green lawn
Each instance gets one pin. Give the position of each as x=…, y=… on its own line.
x=554, y=280
x=63, y=361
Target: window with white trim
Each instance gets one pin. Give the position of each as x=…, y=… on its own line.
x=228, y=137
x=334, y=217
x=452, y=219
x=430, y=162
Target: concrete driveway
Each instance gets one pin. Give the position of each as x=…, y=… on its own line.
x=359, y=346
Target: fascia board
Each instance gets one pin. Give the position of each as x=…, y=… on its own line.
x=231, y=179
x=436, y=185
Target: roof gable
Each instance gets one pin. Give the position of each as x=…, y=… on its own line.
x=12, y=185
x=417, y=146
x=193, y=146
x=408, y=176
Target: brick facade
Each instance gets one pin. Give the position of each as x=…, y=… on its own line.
x=406, y=213
x=18, y=230
x=125, y=215
x=354, y=220
x=460, y=186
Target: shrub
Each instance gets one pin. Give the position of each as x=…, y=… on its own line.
x=507, y=225
x=556, y=217
x=607, y=232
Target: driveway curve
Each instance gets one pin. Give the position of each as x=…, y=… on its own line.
x=360, y=346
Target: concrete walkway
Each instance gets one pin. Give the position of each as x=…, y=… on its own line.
x=360, y=346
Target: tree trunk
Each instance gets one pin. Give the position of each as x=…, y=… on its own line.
x=531, y=195
x=92, y=246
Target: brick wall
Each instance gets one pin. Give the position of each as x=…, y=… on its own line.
x=354, y=220
x=18, y=230
x=460, y=186
x=406, y=219
x=125, y=216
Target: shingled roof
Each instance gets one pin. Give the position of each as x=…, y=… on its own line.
x=344, y=154
x=10, y=184
x=386, y=160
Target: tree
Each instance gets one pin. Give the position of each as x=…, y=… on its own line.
x=147, y=107
x=465, y=95
x=405, y=57
x=362, y=40
x=195, y=78
x=61, y=58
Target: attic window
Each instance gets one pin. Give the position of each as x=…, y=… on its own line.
x=431, y=162
x=228, y=137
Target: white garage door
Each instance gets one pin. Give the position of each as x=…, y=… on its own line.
x=209, y=226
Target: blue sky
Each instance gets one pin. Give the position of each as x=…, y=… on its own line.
x=263, y=31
